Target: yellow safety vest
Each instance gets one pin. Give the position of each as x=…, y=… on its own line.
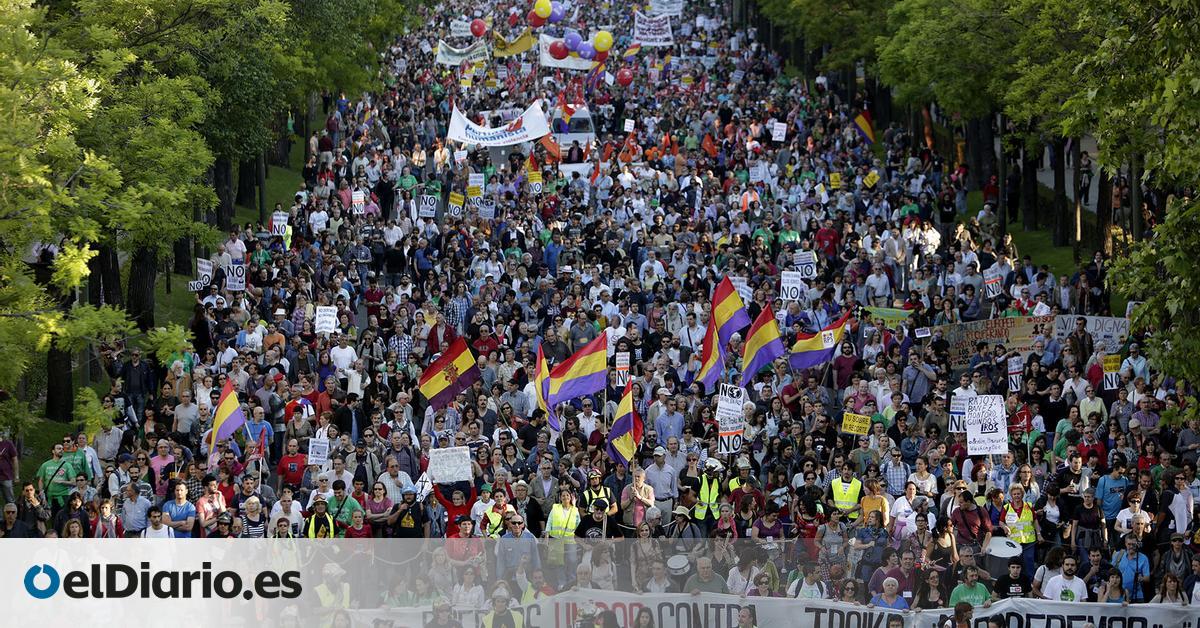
x=518, y=619
x=735, y=483
x=312, y=526
x=846, y=498
x=601, y=493
x=562, y=523
x=333, y=600
x=710, y=492
x=1020, y=527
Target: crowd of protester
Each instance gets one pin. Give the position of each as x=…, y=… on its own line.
x=1098, y=493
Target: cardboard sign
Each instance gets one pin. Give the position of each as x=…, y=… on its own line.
x=987, y=425
x=455, y=206
x=806, y=263
x=730, y=420
x=779, y=132
x=622, y=370
x=992, y=282
x=318, y=451
x=958, y=415
x=358, y=202
x=235, y=276
x=487, y=209
x=758, y=172
x=792, y=287
x=204, y=274
x=428, y=206
x=450, y=464
x=629, y=125
x=1016, y=374
x=326, y=320
x=856, y=423
x=1112, y=371
x=279, y=224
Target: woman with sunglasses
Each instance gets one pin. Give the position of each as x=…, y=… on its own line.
x=376, y=508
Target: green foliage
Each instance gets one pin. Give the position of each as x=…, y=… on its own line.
x=15, y=418
x=163, y=342
x=90, y=412
x=849, y=29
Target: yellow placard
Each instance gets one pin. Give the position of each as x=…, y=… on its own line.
x=835, y=180
x=1112, y=363
x=473, y=191
x=535, y=176
x=871, y=179
x=465, y=81
x=688, y=80
x=456, y=198
x=855, y=423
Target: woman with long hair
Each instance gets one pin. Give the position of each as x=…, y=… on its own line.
x=929, y=593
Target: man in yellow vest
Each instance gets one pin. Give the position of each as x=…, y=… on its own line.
x=706, y=510
x=320, y=525
x=501, y=616
x=333, y=592
x=844, y=492
x=494, y=518
x=1017, y=522
x=596, y=490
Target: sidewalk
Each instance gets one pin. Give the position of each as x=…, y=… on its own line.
x=1046, y=175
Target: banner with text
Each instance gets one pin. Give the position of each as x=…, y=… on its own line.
x=1016, y=334
x=449, y=55
x=652, y=30
x=528, y=126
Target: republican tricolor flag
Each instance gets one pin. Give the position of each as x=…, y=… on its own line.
x=626, y=431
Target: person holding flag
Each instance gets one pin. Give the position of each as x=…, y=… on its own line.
x=227, y=419
x=763, y=346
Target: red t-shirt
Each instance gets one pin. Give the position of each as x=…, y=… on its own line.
x=291, y=468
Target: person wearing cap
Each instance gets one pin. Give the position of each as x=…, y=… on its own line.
x=320, y=524
x=663, y=479
x=598, y=525
x=501, y=615
x=596, y=491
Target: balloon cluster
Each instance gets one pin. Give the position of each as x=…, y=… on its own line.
x=594, y=50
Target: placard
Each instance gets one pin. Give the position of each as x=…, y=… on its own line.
x=1112, y=371
x=622, y=368
x=987, y=425
x=835, y=180
x=855, y=423
x=460, y=156
x=737, y=76
x=204, y=274
x=475, y=179
x=455, y=206
x=318, y=451
x=758, y=172
x=1016, y=374
x=993, y=282
x=450, y=464
x=743, y=288
x=922, y=332
x=871, y=179
x=806, y=263
x=428, y=206
x=958, y=415
x=779, y=132
x=792, y=287
x=652, y=30
x=326, y=320
x=235, y=276
x=731, y=422
x=487, y=208
x=629, y=125
x=279, y=224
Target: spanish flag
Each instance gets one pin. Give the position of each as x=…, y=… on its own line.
x=626, y=431
x=227, y=418
x=712, y=363
x=541, y=385
x=583, y=374
x=453, y=372
x=763, y=346
x=709, y=146
x=863, y=123
x=631, y=52
x=816, y=349
x=728, y=310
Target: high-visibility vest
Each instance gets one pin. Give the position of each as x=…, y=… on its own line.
x=601, y=492
x=518, y=619
x=710, y=492
x=846, y=498
x=562, y=523
x=495, y=524
x=339, y=600
x=735, y=483
x=312, y=525
x=1020, y=526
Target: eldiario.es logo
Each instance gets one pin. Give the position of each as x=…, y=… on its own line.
x=124, y=581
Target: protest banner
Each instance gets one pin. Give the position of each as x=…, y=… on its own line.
x=792, y=287
x=1016, y=374
x=318, y=451
x=358, y=202
x=806, y=263
x=326, y=320
x=450, y=464
x=501, y=47
x=993, y=282
x=622, y=368
x=528, y=126
x=652, y=30
x=204, y=275
x=571, y=62
x=1016, y=334
x=1108, y=332
x=235, y=276
x=487, y=208
x=672, y=8
x=779, y=132
x=855, y=423
x=428, y=206
x=460, y=27
x=1112, y=371
x=731, y=422
x=987, y=425
x=958, y=415
x=279, y=224
x=449, y=55
x=891, y=316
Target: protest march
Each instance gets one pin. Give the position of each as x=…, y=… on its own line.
x=595, y=314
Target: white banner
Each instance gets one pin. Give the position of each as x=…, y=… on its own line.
x=428, y=206
x=806, y=262
x=673, y=8
x=235, y=276
x=730, y=420
x=326, y=322
x=460, y=27
x=450, y=464
x=571, y=62
x=987, y=425
x=791, y=286
x=1108, y=332
x=652, y=30
x=528, y=126
x=449, y=55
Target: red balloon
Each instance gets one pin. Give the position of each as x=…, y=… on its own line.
x=534, y=19
x=478, y=27
x=624, y=77
x=558, y=49
x=600, y=57
x=513, y=18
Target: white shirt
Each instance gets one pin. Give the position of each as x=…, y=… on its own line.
x=165, y=532
x=1066, y=590
x=343, y=358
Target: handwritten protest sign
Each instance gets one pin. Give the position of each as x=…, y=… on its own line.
x=450, y=464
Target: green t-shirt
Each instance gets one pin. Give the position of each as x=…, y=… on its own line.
x=62, y=469
x=407, y=182
x=344, y=513
x=975, y=596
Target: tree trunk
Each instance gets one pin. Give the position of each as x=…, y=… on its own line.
x=143, y=270
x=974, y=154
x=260, y=175
x=182, y=255
x=95, y=293
x=1135, y=197
x=60, y=383
x=1002, y=181
x=110, y=272
x=1104, y=211
x=1029, y=189
x=1059, y=165
x=1076, y=183
x=223, y=184
x=245, y=183
x=987, y=149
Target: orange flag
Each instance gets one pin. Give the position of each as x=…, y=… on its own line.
x=552, y=148
x=709, y=146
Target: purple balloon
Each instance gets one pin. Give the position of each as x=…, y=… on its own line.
x=572, y=40
x=557, y=12
x=586, y=50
